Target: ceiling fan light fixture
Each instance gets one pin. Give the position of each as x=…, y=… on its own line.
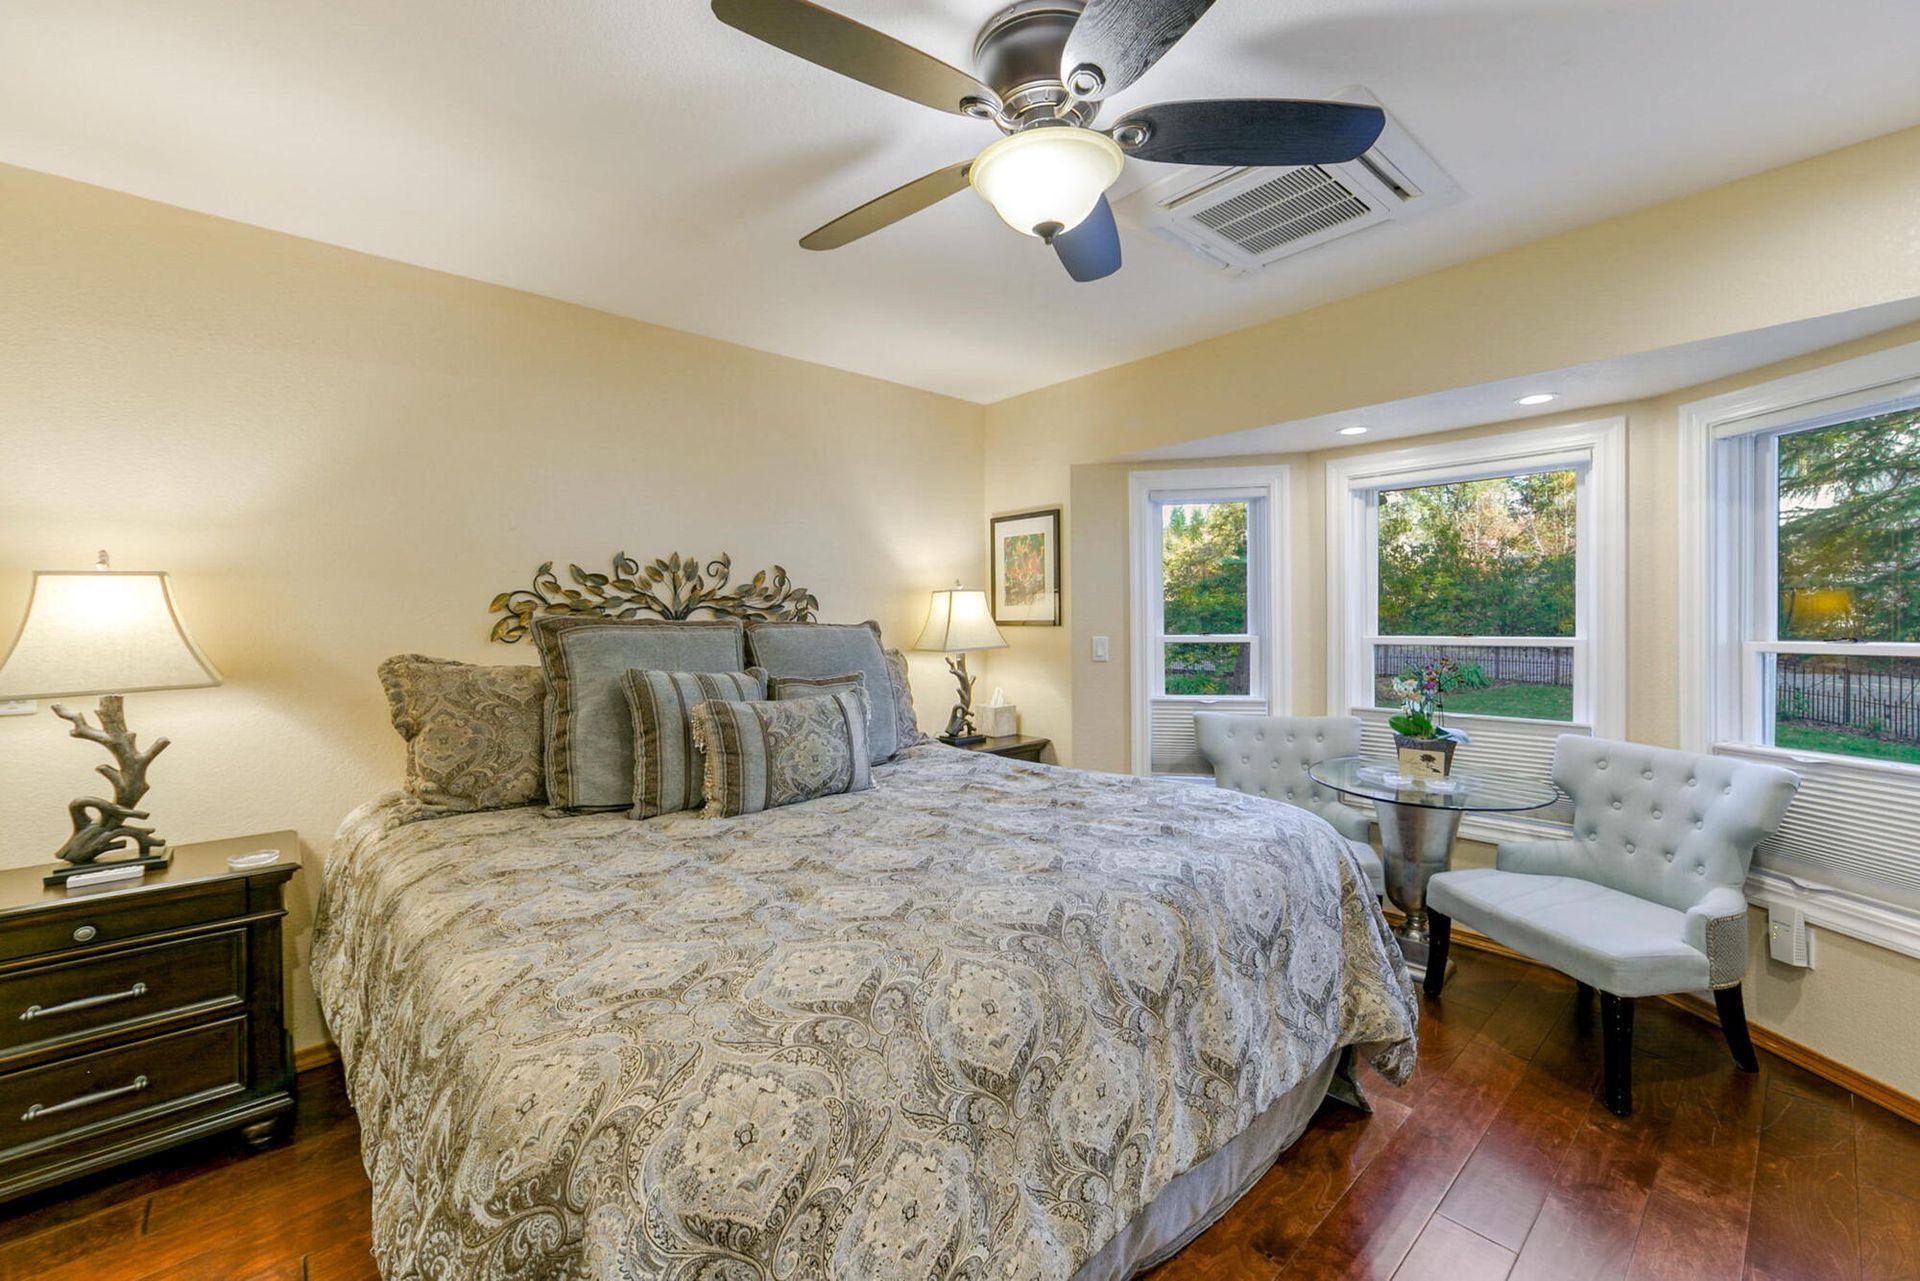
x=1050, y=175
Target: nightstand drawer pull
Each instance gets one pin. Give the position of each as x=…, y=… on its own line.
x=33, y=1012
x=85, y=934
x=37, y=1111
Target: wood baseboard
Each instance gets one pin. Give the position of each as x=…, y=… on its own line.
x=315, y=1056
x=1801, y=1056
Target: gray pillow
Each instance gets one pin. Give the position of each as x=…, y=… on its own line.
x=589, y=760
x=763, y=755
x=783, y=688
x=473, y=733
x=667, y=767
x=833, y=649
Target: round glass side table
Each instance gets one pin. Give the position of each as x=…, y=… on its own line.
x=1419, y=817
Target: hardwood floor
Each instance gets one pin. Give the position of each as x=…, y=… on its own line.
x=1497, y=1161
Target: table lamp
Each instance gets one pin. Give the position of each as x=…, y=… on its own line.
x=109, y=632
x=959, y=622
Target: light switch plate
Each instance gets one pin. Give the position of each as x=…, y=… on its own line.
x=1099, y=649
x=19, y=707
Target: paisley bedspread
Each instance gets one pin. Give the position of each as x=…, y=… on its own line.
x=965, y=1024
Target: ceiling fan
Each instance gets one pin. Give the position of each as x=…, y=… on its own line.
x=1045, y=68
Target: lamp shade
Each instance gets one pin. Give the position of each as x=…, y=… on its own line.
x=101, y=631
x=958, y=621
x=1046, y=178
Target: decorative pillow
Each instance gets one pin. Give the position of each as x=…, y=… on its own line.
x=784, y=688
x=589, y=758
x=667, y=767
x=764, y=755
x=906, y=723
x=473, y=733
x=833, y=649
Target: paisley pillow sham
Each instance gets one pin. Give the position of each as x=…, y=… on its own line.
x=906, y=724
x=472, y=732
x=760, y=756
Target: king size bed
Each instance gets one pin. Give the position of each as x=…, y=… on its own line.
x=982, y=1019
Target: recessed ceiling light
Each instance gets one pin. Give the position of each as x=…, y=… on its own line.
x=1537, y=398
x=1353, y=431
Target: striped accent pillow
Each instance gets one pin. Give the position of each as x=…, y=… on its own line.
x=668, y=774
x=764, y=755
x=784, y=688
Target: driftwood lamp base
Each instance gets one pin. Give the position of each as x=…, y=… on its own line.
x=102, y=826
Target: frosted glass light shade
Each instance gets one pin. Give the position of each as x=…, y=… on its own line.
x=1047, y=175
x=958, y=621
x=96, y=631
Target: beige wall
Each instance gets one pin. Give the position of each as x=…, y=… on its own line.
x=340, y=458
x=1861, y=1006
x=1831, y=234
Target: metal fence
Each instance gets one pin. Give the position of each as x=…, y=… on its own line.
x=1877, y=696
x=1874, y=696
x=1501, y=664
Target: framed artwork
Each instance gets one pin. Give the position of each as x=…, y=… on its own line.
x=1025, y=553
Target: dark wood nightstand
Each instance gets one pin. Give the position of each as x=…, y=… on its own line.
x=137, y=1019
x=1016, y=747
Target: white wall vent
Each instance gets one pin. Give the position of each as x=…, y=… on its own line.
x=1240, y=220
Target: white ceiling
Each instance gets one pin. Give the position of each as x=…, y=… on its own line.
x=637, y=156
x=1603, y=382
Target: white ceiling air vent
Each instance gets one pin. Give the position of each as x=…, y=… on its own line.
x=1240, y=220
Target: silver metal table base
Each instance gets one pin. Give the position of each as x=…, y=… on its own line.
x=1417, y=841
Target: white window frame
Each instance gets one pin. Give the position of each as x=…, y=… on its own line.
x=1267, y=593
x=1597, y=449
x=1728, y=579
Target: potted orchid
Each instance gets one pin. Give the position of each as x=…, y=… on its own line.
x=1425, y=744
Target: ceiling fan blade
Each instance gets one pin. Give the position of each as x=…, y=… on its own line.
x=1091, y=251
x=1119, y=39
x=1251, y=131
x=840, y=44
x=890, y=208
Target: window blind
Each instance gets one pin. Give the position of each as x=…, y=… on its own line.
x=1851, y=827
x=1173, y=748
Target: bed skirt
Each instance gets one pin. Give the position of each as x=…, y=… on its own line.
x=1195, y=1200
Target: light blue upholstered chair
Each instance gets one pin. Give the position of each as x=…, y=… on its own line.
x=1644, y=898
x=1269, y=755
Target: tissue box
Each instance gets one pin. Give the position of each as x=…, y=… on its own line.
x=1001, y=721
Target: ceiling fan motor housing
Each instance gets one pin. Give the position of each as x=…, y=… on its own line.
x=1017, y=54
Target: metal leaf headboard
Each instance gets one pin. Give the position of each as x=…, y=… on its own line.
x=675, y=588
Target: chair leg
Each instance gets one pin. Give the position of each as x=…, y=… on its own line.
x=1582, y=1004
x=1733, y=1022
x=1439, y=938
x=1616, y=1026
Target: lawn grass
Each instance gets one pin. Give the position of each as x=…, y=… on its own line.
x=1806, y=738
x=1535, y=702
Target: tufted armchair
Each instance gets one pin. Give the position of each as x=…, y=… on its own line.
x=1644, y=898
x=1269, y=756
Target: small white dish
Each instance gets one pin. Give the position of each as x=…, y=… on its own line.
x=1446, y=786
x=258, y=858
x=1398, y=780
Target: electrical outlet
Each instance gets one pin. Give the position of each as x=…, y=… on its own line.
x=1099, y=649
x=19, y=707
